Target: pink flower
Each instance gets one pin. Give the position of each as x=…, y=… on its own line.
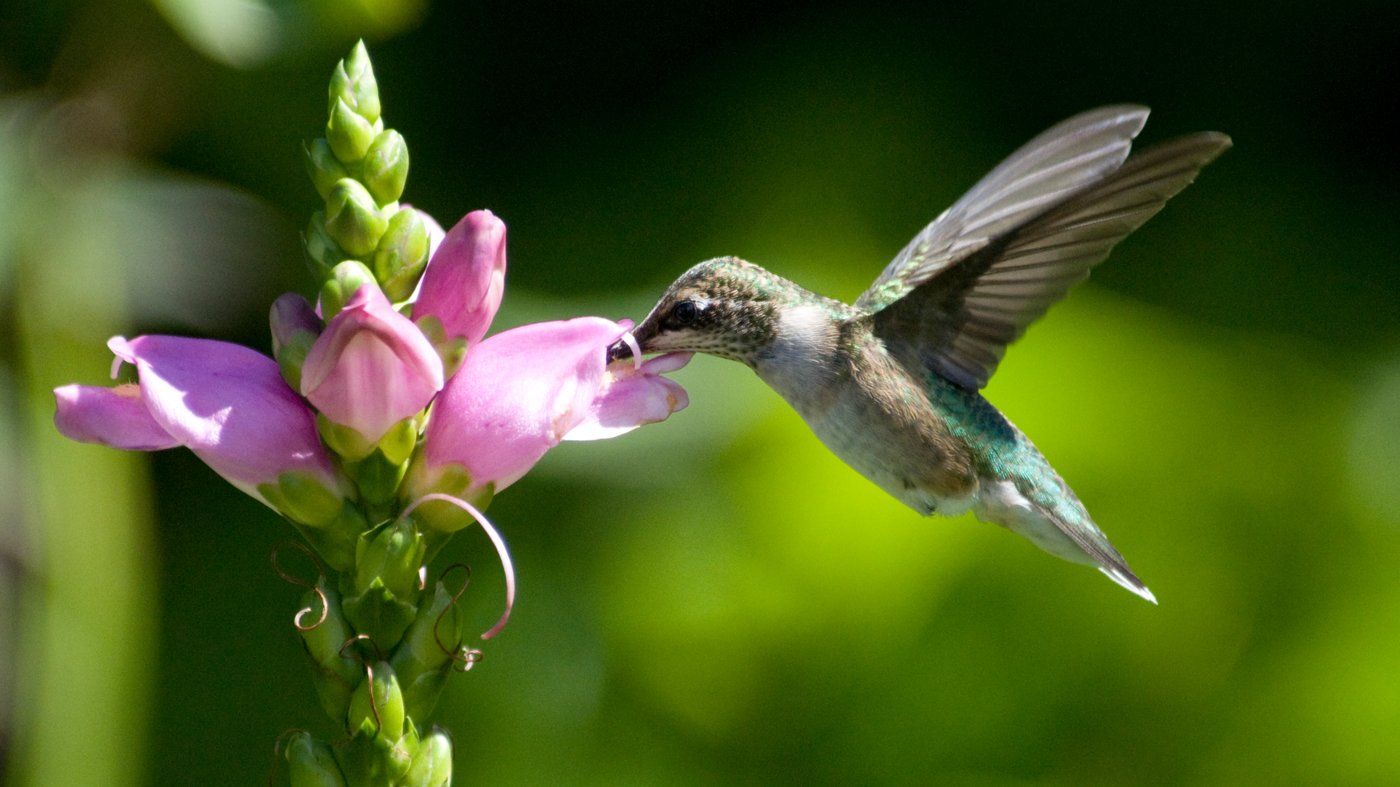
x=521, y=392
x=464, y=281
x=225, y=402
x=371, y=368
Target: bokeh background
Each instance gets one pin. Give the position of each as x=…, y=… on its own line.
x=717, y=600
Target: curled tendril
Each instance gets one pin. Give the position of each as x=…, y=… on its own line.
x=496, y=541
x=355, y=655
x=316, y=587
x=464, y=656
x=369, y=672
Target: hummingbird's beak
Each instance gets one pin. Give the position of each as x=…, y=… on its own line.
x=619, y=351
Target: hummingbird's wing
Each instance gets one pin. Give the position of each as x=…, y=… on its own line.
x=976, y=277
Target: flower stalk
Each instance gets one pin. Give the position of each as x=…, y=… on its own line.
x=385, y=421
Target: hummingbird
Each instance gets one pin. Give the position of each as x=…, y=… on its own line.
x=890, y=384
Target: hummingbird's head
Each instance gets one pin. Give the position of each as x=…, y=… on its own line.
x=725, y=307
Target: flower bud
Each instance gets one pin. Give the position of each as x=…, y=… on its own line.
x=322, y=253
x=433, y=765
x=353, y=82
x=378, y=476
x=311, y=763
x=385, y=168
x=384, y=715
x=352, y=218
x=392, y=554
x=322, y=165
x=346, y=279
x=335, y=676
x=402, y=255
x=349, y=134
x=295, y=327
x=386, y=582
x=419, y=661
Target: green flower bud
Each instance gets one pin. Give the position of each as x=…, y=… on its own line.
x=346, y=278
x=353, y=82
x=295, y=327
x=322, y=253
x=433, y=765
x=349, y=134
x=420, y=662
x=334, y=675
x=451, y=352
x=385, y=169
x=392, y=553
x=353, y=220
x=377, y=475
x=322, y=165
x=385, y=714
x=402, y=255
x=310, y=763
x=385, y=582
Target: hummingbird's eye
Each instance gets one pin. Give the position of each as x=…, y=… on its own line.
x=682, y=315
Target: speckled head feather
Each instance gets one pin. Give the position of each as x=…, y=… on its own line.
x=725, y=307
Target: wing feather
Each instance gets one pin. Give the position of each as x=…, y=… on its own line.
x=1040, y=174
x=960, y=310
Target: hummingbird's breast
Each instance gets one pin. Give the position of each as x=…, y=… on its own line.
x=869, y=410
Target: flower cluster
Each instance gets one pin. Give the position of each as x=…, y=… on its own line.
x=385, y=421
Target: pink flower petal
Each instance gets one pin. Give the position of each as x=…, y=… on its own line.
x=230, y=406
x=517, y=395
x=465, y=279
x=630, y=398
x=114, y=417
x=371, y=367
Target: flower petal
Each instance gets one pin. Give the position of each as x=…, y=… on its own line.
x=517, y=395
x=631, y=397
x=114, y=417
x=466, y=277
x=371, y=367
x=230, y=406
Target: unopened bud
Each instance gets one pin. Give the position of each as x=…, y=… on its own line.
x=451, y=351
x=378, y=476
x=322, y=165
x=352, y=218
x=322, y=253
x=384, y=713
x=334, y=674
x=310, y=763
x=353, y=82
x=385, y=169
x=295, y=327
x=402, y=255
x=420, y=660
x=349, y=134
x=346, y=279
x=392, y=554
x=432, y=767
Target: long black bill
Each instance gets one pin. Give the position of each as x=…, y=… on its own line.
x=619, y=351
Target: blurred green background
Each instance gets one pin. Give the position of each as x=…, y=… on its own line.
x=717, y=600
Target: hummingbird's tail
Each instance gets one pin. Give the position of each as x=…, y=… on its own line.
x=1049, y=514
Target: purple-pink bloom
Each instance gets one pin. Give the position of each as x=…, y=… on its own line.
x=464, y=281
x=371, y=367
x=227, y=403
x=522, y=391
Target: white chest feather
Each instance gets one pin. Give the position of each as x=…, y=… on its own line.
x=798, y=363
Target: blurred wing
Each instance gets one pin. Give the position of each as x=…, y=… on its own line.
x=1043, y=172
x=959, y=319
